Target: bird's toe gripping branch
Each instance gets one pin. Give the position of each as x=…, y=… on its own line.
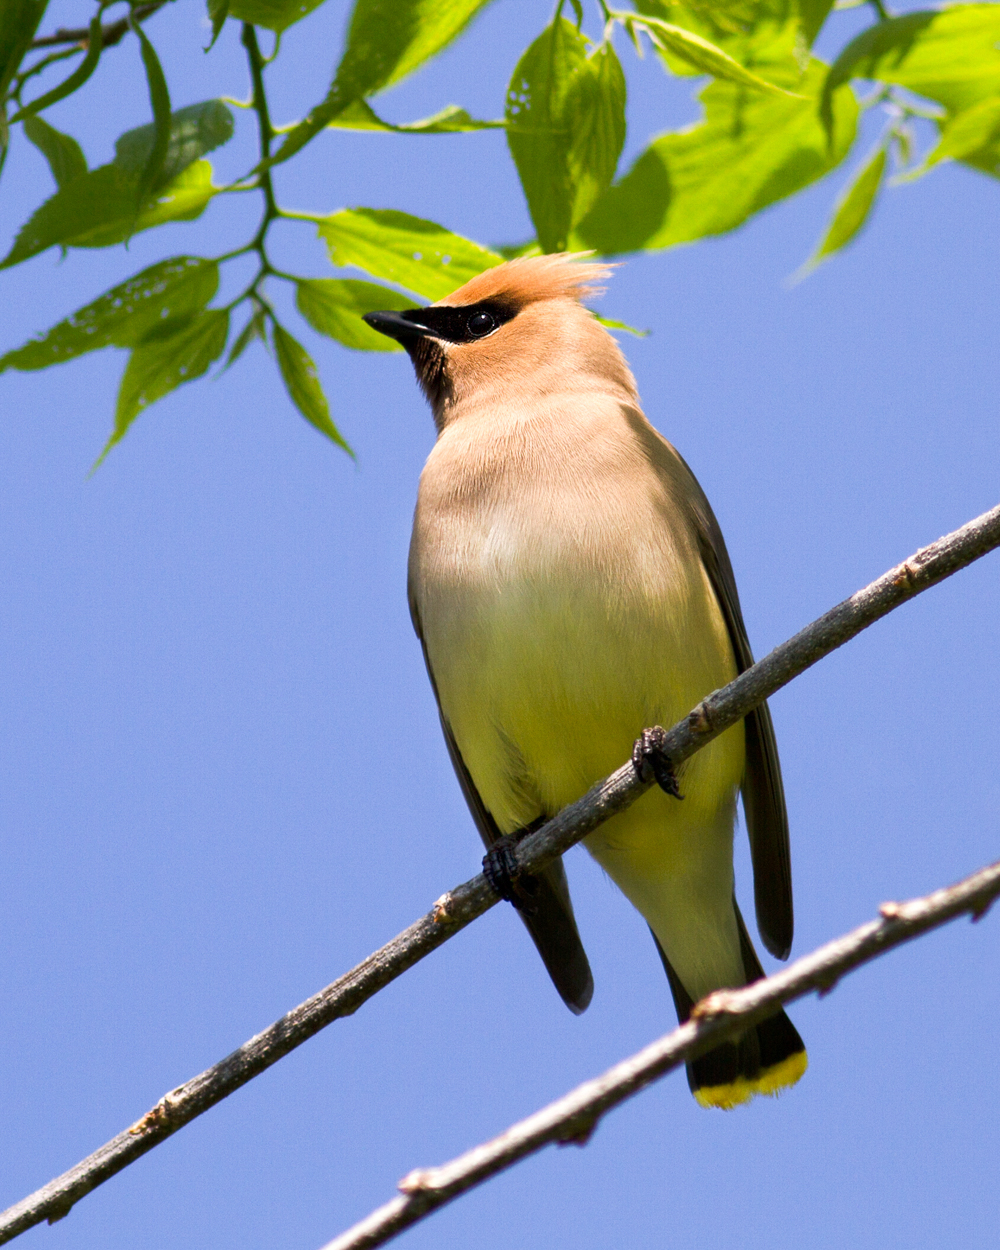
x=652, y=763
x=502, y=871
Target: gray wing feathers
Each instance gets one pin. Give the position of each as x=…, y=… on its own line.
x=763, y=793
x=551, y=924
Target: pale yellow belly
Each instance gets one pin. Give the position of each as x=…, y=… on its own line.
x=547, y=687
x=544, y=702
x=555, y=636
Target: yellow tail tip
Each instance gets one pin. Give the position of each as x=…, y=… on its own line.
x=770, y=1081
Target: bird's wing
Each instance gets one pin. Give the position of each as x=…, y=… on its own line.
x=763, y=793
x=551, y=923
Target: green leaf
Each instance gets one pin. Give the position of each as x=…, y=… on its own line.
x=538, y=134
x=451, y=120
x=513, y=251
x=218, y=11
x=18, y=22
x=177, y=352
x=89, y=203
x=610, y=323
x=194, y=130
x=159, y=98
x=736, y=26
x=255, y=328
x=948, y=55
x=122, y=317
x=63, y=153
x=852, y=210
x=704, y=56
x=387, y=40
x=98, y=210
x=972, y=137
x=334, y=307
x=595, y=114
x=412, y=252
x=303, y=385
x=276, y=15
x=565, y=115
x=75, y=80
x=813, y=15
x=184, y=199
x=749, y=151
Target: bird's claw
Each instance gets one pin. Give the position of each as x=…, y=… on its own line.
x=652, y=763
x=504, y=874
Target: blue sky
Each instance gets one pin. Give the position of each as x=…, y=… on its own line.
x=222, y=777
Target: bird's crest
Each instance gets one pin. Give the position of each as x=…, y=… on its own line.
x=532, y=278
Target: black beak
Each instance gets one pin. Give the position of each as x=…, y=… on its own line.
x=403, y=327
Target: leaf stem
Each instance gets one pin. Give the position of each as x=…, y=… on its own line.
x=291, y=214
x=264, y=181
x=276, y=49
x=40, y=66
x=909, y=108
x=264, y=128
x=78, y=77
x=883, y=13
x=880, y=96
x=252, y=291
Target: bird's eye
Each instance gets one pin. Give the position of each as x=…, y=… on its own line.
x=481, y=324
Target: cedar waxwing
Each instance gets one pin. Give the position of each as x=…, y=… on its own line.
x=570, y=586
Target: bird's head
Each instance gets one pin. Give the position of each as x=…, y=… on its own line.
x=513, y=331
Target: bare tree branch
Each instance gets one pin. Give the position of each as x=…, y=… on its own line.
x=113, y=33
x=717, y=1017
x=453, y=911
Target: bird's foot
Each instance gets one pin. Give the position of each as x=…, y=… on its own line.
x=652, y=763
x=502, y=871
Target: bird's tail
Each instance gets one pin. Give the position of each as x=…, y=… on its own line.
x=765, y=1060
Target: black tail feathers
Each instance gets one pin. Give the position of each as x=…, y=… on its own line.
x=764, y=1060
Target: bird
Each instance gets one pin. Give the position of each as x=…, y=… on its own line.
x=570, y=587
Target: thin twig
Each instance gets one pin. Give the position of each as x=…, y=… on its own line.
x=113, y=33
x=453, y=911
x=722, y=1014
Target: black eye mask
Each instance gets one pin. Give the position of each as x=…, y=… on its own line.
x=461, y=325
